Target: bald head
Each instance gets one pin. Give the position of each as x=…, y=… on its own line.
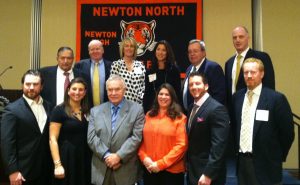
x=240, y=38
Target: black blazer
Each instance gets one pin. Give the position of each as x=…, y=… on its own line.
x=207, y=140
x=272, y=139
x=268, y=80
x=85, y=67
x=215, y=77
x=49, y=87
x=172, y=76
x=24, y=148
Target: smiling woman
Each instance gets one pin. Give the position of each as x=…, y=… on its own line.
x=68, y=136
x=162, y=157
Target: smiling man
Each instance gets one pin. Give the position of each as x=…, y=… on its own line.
x=212, y=70
x=25, y=135
x=97, y=71
x=114, y=135
x=208, y=129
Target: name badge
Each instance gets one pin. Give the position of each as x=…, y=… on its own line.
x=152, y=77
x=262, y=115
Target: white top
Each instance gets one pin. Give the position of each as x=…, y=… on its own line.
x=250, y=126
x=38, y=111
x=60, y=81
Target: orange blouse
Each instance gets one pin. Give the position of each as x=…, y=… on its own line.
x=165, y=142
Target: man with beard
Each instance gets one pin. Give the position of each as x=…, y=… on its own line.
x=25, y=135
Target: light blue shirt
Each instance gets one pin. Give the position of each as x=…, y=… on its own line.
x=101, y=68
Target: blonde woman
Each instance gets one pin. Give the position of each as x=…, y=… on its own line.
x=131, y=70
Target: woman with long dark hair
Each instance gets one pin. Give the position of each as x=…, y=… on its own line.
x=164, y=140
x=162, y=70
x=68, y=137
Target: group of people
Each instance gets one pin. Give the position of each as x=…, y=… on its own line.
x=114, y=123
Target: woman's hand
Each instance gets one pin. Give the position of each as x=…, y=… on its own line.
x=59, y=172
x=153, y=168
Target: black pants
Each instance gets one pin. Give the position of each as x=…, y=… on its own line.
x=163, y=178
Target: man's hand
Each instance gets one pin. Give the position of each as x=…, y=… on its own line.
x=16, y=178
x=112, y=160
x=204, y=180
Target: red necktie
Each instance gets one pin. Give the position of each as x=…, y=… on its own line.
x=67, y=80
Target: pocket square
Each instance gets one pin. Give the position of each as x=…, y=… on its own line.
x=200, y=119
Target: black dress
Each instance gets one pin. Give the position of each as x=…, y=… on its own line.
x=170, y=75
x=75, y=154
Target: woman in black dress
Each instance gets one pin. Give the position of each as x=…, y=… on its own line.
x=68, y=137
x=163, y=70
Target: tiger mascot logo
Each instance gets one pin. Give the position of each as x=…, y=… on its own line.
x=142, y=32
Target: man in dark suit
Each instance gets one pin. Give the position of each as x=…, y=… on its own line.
x=212, y=70
x=25, y=135
x=56, y=78
x=263, y=122
x=208, y=128
x=233, y=72
x=114, y=135
x=87, y=66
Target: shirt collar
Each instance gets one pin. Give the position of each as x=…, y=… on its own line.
x=243, y=54
x=120, y=105
x=31, y=101
x=256, y=90
x=202, y=99
x=93, y=61
x=62, y=71
x=199, y=65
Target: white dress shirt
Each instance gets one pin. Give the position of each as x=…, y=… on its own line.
x=60, y=81
x=38, y=111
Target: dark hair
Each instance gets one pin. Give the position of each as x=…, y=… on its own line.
x=64, y=48
x=202, y=75
x=170, y=60
x=34, y=73
x=84, y=102
x=174, y=110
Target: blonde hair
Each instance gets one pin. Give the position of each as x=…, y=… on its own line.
x=131, y=41
x=261, y=66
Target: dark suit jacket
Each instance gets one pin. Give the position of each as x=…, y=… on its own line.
x=24, y=148
x=85, y=67
x=49, y=87
x=215, y=77
x=207, y=140
x=268, y=80
x=272, y=139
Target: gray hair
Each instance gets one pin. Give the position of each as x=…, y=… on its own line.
x=114, y=77
x=200, y=42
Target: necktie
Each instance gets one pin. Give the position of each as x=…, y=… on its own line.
x=238, y=69
x=114, y=117
x=67, y=80
x=192, y=115
x=245, y=142
x=96, y=85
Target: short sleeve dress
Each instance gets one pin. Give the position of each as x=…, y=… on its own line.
x=75, y=154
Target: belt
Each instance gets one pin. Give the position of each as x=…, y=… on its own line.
x=246, y=154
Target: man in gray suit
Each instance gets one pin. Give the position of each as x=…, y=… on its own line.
x=114, y=135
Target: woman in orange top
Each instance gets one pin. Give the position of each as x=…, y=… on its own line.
x=164, y=140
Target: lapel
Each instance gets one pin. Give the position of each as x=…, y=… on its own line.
x=107, y=118
x=261, y=105
x=202, y=67
x=29, y=115
x=122, y=115
x=199, y=113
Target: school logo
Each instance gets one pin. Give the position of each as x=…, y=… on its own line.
x=142, y=32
